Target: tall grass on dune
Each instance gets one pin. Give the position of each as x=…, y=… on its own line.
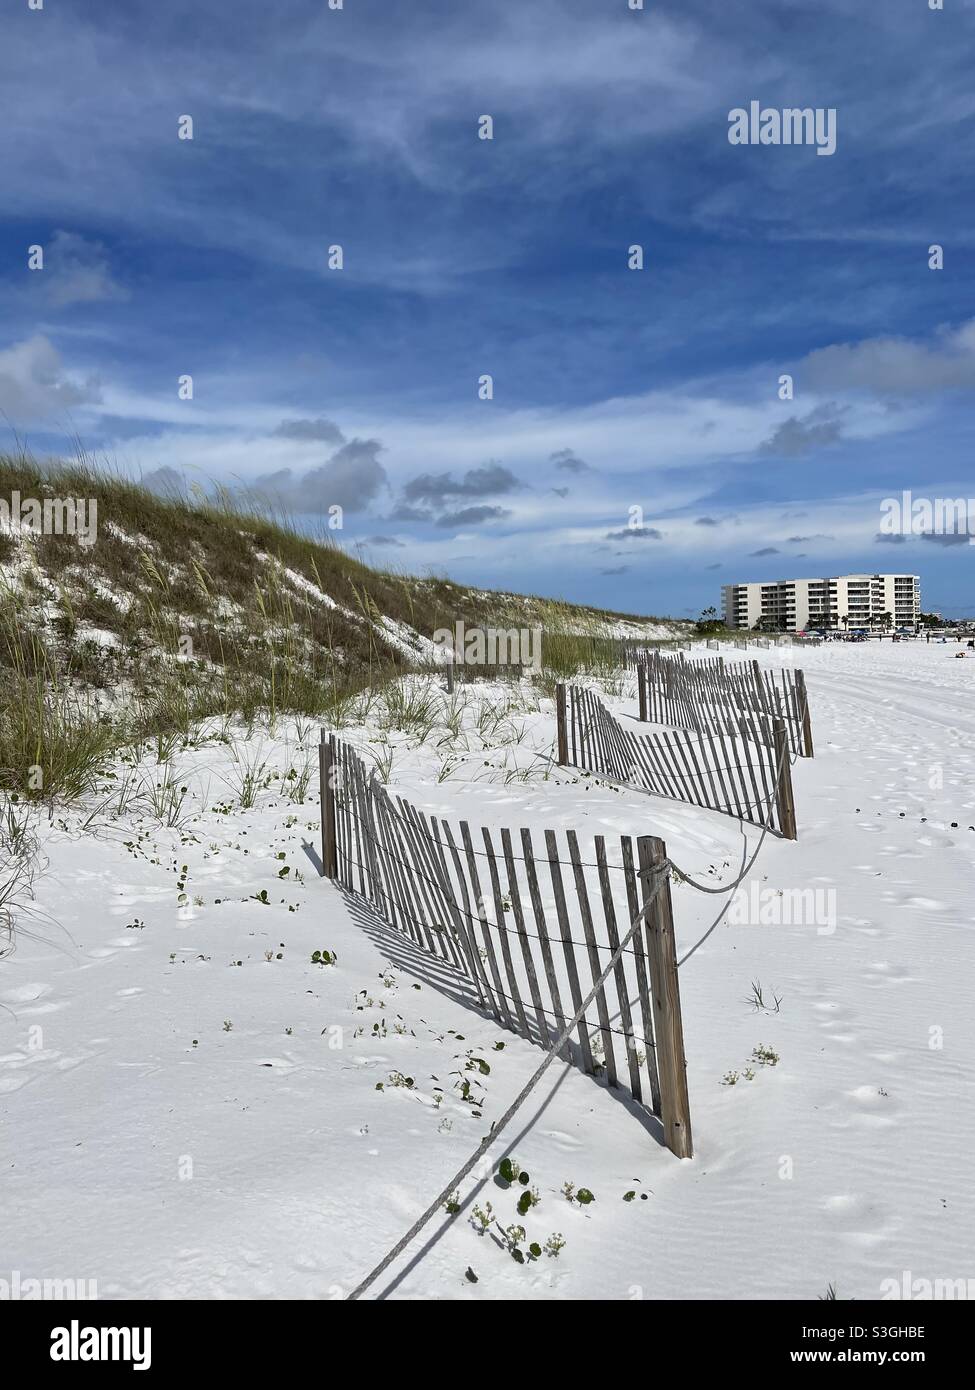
x=52, y=740
x=18, y=865
x=212, y=603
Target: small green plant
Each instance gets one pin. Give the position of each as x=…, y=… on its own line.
x=582, y=1195
x=757, y=1000
x=482, y=1216
x=730, y=1078
x=396, y=1078
x=765, y=1056
x=452, y=1204
x=528, y=1199
x=323, y=957
x=509, y=1170
x=513, y=1237
x=228, y=1027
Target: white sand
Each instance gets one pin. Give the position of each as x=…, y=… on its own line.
x=848, y=1162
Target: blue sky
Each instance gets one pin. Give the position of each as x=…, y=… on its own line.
x=614, y=389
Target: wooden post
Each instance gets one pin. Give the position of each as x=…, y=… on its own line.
x=807, y=738
x=449, y=675
x=784, y=801
x=665, y=997
x=641, y=685
x=326, y=762
x=563, y=741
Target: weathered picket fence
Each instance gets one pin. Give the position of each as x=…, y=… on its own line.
x=531, y=930
x=713, y=696
x=746, y=774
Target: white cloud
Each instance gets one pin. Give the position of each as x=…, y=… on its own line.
x=77, y=271
x=36, y=389
x=903, y=365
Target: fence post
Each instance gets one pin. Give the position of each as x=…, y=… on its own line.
x=641, y=685
x=449, y=675
x=807, y=738
x=785, y=804
x=668, y=1029
x=563, y=741
x=326, y=762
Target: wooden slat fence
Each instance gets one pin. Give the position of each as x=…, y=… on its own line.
x=712, y=696
x=531, y=927
x=746, y=774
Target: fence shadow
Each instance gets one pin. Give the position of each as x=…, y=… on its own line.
x=314, y=856
x=563, y=943
x=404, y=954
x=448, y=980
x=746, y=774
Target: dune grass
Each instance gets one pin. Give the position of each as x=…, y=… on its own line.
x=214, y=605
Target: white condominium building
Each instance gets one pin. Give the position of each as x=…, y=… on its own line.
x=843, y=601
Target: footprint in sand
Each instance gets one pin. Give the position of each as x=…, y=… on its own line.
x=832, y=1013
x=17, y=1069
x=562, y=1140
x=858, y=1219
x=872, y=1106
x=935, y=841
x=25, y=994
x=22, y=1001
x=863, y=925
x=376, y=1060
x=881, y=972
x=833, y=1017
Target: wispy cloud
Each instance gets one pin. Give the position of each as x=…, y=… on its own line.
x=357, y=387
